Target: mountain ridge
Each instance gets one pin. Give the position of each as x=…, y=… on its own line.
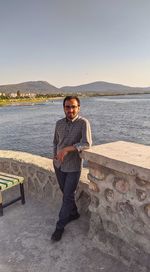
x=98, y=87
x=29, y=86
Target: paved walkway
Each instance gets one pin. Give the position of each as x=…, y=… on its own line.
x=25, y=244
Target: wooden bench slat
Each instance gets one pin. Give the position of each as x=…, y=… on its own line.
x=8, y=178
x=11, y=177
x=7, y=181
x=4, y=186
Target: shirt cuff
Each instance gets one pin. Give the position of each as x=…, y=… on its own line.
x=81, y=147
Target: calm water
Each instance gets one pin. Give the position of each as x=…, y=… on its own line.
x=31, y=128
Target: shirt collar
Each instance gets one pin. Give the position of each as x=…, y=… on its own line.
x=72, y=120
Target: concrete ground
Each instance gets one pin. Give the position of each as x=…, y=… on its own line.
x=26, y=246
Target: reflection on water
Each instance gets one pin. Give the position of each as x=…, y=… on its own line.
x=30, y=128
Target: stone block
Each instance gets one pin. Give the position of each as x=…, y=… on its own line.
x=97, y=174
x=125, y=207
x=121, y=185
x=83, y=201
x=110, y=226
x=31, y=185
x=41, y=176
x=31, y=170
x=23, y=168
x=15, y=167
x=96, y=227
x=147, y=210
x=109, y=212
x=52, y=179
x=48, y=190
x=38, y=186
x=141, y=194
x=109, y=194
x=94, y=201
x=6, y=167
x=94, y=187
x=100, y=172
x=142, y=183
x=138, y=226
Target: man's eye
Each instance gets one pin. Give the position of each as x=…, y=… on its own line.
x=71, y=107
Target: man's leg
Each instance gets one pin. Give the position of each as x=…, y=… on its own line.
x=61, y=176
x=68, y=183
x=56, y=236
x=68, y=206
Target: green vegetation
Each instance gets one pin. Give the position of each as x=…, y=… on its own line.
x=7, y=100
x=39, y=98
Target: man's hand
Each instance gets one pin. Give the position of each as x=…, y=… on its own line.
x=63, y=152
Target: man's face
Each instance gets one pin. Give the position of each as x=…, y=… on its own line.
x=71, y=108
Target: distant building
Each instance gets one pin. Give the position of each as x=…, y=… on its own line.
x=2, y=94
x=31, y=95
x=13, y=95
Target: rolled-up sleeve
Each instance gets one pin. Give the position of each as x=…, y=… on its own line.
x=55, y=142
x=86, y=140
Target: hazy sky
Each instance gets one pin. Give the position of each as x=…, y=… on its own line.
x=71, y=42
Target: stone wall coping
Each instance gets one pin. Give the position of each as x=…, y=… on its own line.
x=129, y=158
x=38, y=161
x=28, y=158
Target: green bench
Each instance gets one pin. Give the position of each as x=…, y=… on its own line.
x=8, y=181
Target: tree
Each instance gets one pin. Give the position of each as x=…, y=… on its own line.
x=18, y=94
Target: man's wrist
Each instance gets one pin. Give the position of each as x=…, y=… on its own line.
x=69, y=148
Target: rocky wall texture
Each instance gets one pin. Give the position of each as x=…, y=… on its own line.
x=120, y=203
x=39, y=177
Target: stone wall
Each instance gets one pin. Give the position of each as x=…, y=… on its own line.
x=37, y=172
x=119, y=175
x=115, y=191
x=39, y=177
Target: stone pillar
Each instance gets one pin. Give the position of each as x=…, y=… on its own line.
x=119, y=175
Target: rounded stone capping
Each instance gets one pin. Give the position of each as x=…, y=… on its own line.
x=28, y=158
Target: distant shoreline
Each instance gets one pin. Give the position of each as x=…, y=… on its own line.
x=30, y=101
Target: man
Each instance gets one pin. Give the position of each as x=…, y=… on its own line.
x=72, y=135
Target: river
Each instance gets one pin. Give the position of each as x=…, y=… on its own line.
x=30, y=128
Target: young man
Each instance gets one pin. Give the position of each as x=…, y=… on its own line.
x=72, y=135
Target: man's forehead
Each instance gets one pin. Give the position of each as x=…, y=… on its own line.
x=71, y=102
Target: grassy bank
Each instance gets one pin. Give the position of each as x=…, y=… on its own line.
x=29, y=101
x=25, y=101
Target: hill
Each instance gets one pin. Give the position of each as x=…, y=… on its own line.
x=99, y=88
x=39, y=87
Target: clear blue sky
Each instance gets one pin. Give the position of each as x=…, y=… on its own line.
x=72, y=42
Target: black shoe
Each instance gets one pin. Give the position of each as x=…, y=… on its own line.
x=56, y=236
x=73, y=217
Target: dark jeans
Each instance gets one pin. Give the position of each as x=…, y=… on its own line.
x=68, y=182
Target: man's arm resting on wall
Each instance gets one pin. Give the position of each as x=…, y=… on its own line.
x=63, y=152
x=86, y=140
x=85, y=143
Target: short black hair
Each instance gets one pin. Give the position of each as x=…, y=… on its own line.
x=69, y=97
